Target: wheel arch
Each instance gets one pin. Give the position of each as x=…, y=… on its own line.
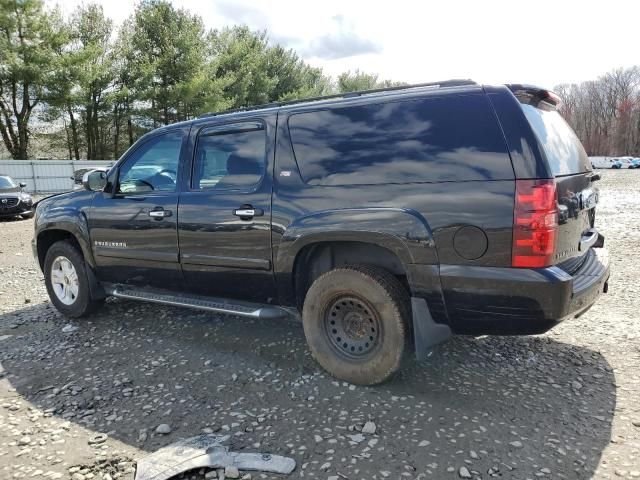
x=390, y=238
x=63, y=231
x=321, y=256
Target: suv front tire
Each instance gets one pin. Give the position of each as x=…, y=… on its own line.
x=66, y=280
x=355, y=321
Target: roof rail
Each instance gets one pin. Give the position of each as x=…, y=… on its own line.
x=444, y=83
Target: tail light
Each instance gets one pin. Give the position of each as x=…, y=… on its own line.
x=535, y=223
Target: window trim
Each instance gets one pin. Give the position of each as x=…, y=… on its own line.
x=237, y=126
x=116, y=183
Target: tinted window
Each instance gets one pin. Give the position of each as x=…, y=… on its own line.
x=229, y=160
x=426, y=140
x=153, y=166
x=6, y=182
x=564, y=151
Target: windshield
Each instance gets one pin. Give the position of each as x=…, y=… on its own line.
x=7, y=182
x=565, y=153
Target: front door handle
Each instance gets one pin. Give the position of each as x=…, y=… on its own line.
x=247, y=212
x=159, y=213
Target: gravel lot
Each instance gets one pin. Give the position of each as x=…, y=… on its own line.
x=561, y=405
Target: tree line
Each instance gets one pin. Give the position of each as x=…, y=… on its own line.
x=83, y=88
x=605, y=113
x=78, y=87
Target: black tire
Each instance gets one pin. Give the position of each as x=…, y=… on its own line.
x=367, y=306
x=28, y=214
x=82, y=304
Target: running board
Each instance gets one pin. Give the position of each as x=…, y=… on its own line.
x=210, y=304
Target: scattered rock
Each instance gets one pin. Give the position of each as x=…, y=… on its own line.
x=70, y=328
x=516, y=444
x=163, y=429
x=231, y=472
x=369, y=428
x=464, y=472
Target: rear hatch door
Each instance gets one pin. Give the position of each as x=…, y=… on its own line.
x=577, y=193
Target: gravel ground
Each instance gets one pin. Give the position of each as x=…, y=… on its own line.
x=561, y=405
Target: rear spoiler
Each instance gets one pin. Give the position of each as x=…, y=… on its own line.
x=536, y=96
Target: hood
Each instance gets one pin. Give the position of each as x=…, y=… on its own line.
x=4, y=192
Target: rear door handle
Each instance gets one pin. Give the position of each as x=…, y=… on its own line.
x=159, y=213
x=247, y=212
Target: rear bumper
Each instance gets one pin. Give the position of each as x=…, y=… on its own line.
x=514, y=301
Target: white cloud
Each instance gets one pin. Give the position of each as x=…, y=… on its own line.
x=495, y=41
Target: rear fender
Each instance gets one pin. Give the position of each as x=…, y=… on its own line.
x=401, y=231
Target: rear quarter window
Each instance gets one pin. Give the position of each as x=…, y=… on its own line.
x=565, y=154
x=449, y=138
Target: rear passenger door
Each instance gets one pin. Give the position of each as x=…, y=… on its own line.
x=224, y=213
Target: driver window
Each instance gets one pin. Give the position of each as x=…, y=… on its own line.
x=153, y=167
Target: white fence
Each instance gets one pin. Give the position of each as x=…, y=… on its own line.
x=47, y=176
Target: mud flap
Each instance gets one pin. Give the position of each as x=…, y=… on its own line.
x=426, y=332
x=206, y=451
x=95, y=288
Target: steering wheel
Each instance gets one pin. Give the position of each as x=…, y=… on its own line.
x=138, y=181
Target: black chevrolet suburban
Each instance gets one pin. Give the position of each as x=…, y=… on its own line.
x=386, y=218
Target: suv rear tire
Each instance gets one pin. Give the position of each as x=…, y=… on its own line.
x=66, y=280
x=355, y=321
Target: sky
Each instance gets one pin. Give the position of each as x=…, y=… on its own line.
x=539, y=42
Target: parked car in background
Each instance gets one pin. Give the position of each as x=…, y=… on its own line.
x=14, y=200
x=605, y=162
x=634, y=163
x=381, y=217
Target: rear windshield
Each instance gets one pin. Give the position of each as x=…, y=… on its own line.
x=565, y=153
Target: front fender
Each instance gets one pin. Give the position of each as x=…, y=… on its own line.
x=66, y=213
x=404, y=232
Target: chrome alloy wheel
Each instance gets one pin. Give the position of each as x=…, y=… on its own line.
x=64, y=280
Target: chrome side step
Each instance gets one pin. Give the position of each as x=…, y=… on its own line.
x=199, y=302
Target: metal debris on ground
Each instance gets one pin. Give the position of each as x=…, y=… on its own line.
x=206, y=451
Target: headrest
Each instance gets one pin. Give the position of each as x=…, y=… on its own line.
x=238, y=165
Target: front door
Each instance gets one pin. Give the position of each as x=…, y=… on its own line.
x=134, y=229
x=224, y=216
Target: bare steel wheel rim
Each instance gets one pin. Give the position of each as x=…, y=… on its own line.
x=64, y=280
x=352, y=327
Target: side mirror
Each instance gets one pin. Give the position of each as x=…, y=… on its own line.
x=95, y=180
x=22, y=185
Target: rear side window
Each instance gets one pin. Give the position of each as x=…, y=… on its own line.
x=229, y=160
x=454, y=138
x=563, y=149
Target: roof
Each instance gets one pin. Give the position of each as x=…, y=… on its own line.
x=348, y=95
